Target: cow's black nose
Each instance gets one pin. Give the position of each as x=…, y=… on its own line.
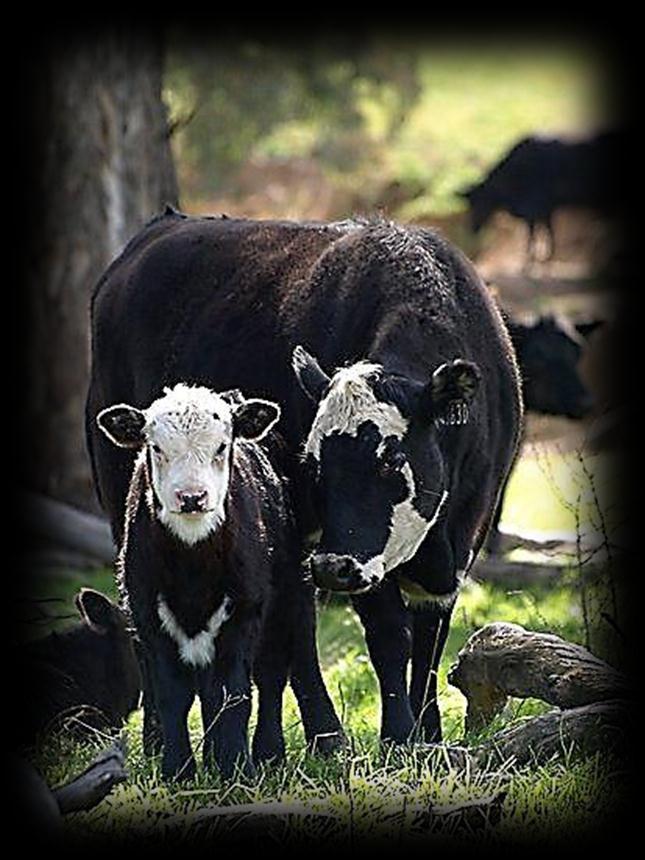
x=337, y=573
x=192, y=503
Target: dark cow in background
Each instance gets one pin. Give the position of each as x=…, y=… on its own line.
x=88, y=674
x=541, y=174
x=407, y=411
x=207, y=571
x=549, y=350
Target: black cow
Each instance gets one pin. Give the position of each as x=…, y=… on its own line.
x=410, y=419
x=548, y=352
x=208, y=572
x=541, y=174
x=89, y=672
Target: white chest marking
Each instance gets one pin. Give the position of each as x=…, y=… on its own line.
x=198, y=650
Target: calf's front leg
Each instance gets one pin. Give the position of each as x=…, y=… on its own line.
x=430, y=623
x=387, y=633
x=225, y=693
x=174, y=692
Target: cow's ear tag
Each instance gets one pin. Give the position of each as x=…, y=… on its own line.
x=450, y=391
x=456, y=413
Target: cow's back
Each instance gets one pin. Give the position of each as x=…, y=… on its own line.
x=193, y=300
x=222, y=302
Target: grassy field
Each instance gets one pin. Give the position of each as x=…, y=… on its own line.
x=375, y=793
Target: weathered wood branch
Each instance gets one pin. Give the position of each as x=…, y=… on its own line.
x=63, y=525
x=503, y=660
x=516, y=574
x=599, y=727
x=276, y=821
x=95, y=783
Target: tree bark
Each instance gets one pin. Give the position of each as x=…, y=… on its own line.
x=101, y=167
x=503, y=660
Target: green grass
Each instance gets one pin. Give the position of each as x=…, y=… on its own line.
x=383, y=792
x=377, y=794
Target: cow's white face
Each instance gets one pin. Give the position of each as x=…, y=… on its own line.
x=189, y=434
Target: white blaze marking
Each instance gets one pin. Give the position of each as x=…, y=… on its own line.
x=408, y=531
x=348, y=404
x=408, y=528
x=198, y=650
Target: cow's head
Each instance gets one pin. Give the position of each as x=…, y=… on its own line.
x=380, y=474
x=482, y=202
x=549, y=350
x=189, y=434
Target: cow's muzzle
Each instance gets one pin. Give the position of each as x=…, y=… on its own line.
x=192, y=502
x=341, y=573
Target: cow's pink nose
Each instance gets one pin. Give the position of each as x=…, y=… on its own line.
x=191, y=502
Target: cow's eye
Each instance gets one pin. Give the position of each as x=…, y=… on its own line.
x=391, y=462
x=219, y=451
x=157, y=450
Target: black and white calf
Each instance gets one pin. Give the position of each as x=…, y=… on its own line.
x=206, y=570
x=361, y=438
x=381, y=452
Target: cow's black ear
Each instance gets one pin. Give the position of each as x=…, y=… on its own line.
x=97, y=610
x=587, y=328
x=233, y=396
x=312, y=378
x=123, y=425
x=451, y=389
x=254, y=418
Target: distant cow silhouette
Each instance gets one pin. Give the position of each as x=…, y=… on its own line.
x=541, y=174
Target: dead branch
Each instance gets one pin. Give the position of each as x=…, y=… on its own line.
x=503, y=660
x=96, y=782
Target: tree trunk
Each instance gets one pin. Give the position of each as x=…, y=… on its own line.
x=101, y=167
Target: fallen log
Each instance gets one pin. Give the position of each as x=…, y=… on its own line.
x=33, y=803
x=599, y=727
x=55, y=522
x=95, y=783
x=280, y=822
x=516, y=574
x=503, y=660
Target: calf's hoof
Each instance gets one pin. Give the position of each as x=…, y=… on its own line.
x=268, y=753
x=240, y=767
x=326, y=743
x=152, y=743
x=179, y=771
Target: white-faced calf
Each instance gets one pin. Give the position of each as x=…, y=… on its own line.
x=206, y=570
